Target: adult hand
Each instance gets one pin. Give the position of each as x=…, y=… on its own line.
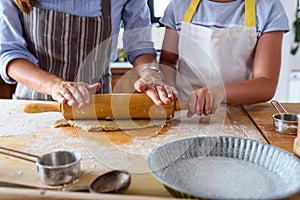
x=206, y=100
x=74, y=94
x=151, y=83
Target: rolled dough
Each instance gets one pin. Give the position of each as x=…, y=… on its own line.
x=110, y=125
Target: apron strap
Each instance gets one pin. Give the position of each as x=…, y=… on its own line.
x=250, y=12
x=106, y=9
x=188, y=16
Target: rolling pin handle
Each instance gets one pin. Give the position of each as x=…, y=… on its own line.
x=42, y=107
x=181, y=105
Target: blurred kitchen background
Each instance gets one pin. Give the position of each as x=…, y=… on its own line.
x=289, y=84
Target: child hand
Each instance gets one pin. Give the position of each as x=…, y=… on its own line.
x=205, y=100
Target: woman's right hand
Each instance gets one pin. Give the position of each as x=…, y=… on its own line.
x=74, y=94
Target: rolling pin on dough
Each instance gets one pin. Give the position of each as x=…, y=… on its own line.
x=104, y=106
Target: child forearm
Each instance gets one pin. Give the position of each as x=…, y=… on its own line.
x=251, y=91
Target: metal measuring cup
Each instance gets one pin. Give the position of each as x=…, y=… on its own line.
x=55, y=168
x=285, y=122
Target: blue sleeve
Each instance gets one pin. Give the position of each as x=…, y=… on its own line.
x=274, y=17
x=12, y=43
x=137, y=35
x=168, y=18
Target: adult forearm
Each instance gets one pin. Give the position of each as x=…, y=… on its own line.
x=251, y=91
x=27, y=73
x=169, y=73
x=146, y=60
x=168, y=62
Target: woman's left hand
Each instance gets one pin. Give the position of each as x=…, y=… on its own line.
x=152, y=84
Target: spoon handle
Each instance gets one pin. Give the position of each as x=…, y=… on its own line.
x=17, y=185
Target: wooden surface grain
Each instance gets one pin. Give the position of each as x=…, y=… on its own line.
x=261, y=114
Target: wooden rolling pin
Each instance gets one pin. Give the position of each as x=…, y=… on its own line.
x=111, y=106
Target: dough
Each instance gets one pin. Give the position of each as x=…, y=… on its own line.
x=110, y=125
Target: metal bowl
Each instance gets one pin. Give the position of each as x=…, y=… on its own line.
x=225, y=168
x=58, y=168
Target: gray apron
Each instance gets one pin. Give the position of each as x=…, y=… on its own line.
x=74, y=48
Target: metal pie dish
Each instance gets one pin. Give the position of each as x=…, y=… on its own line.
x=224, y=167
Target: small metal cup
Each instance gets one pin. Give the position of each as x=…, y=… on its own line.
x=285, y=122
x=60, y=167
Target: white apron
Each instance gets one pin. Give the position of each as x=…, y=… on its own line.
x=212, y=56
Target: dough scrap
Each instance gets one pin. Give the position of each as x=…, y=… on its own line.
x=110, y=125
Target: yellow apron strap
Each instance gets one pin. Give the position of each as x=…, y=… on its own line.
x=188, y=16
x=250, y=13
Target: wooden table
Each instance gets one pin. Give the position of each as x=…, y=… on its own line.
x=261, y=115
x=114, y=150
